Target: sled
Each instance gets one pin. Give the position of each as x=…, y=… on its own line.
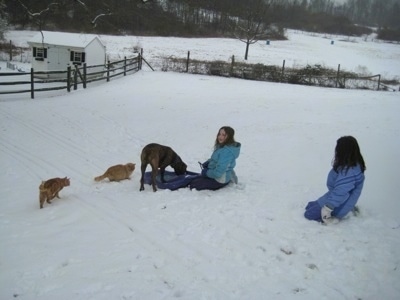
x=172, y=181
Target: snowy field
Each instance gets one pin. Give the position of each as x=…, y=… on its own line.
x=106, y=240
x=363, y=55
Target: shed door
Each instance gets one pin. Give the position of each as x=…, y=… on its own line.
x=57, y=59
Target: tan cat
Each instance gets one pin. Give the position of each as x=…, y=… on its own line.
x=117, y=172
x=49, y=189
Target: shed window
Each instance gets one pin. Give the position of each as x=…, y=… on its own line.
x=39, y=53
x=77, y=57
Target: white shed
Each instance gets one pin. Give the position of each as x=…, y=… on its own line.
x=56, y=51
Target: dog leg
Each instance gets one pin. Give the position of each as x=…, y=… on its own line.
x=162, y=172
x=153, y=178
x=154, y=169
x=143, y=169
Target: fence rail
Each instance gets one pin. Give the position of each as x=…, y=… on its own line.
x=40, y=81
x=310, y=75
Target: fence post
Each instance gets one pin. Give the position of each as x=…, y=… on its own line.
x=232, y=65
x=32, y=85
x=337, y=75
x=187, y=62
x=124, y=65
x=141, y=58
x=76, y=78
x=379, y=81
x=10, y=50
x=84, y=75
x=69, y=79
x=108, y=71
x=283, y=70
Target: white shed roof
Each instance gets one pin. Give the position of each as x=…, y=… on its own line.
x=79, y=40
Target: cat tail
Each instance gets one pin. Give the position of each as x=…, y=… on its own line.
x=100, y=178
x=41, y=186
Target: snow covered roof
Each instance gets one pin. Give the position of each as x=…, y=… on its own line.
x=79, y=40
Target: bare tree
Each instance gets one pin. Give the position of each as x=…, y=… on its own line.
x=95, y=13
x=40, y=16
x=3, y=20
x=251, y=23
x=96, y=17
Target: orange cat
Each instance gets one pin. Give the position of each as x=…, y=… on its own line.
x=117, y=172
x=49, y=189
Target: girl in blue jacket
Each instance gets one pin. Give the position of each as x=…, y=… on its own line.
x=218, y=170
x=345, y=182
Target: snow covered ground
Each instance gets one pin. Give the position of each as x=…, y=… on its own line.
x=105, y=240
x=364, y=55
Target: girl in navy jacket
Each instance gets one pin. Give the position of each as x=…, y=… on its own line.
x=345, y=182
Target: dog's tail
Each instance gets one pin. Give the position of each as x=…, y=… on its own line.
x=100, y=178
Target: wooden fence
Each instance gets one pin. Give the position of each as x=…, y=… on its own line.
x=40, y=81
x=310, y=75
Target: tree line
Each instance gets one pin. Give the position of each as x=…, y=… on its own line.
x=204, y=18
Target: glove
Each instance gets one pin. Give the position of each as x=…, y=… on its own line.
x=205, y=164
x=204, y=172
x=326, y=214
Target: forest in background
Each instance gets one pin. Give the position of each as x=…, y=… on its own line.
x=204, y=18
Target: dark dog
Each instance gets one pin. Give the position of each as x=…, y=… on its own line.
x=159, y=156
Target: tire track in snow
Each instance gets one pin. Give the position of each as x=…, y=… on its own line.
x=123, y=131
x=243, y=243
x=137, y=142
x=156, y=244
x=25, y=159
x=47, y=134
x=96, y=142
x=34, y=164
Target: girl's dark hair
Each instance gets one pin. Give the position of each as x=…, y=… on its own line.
x=347, y=154
x=230, y=137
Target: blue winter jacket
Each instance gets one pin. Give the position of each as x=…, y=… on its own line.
x=345, y=188
x=222, y=162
